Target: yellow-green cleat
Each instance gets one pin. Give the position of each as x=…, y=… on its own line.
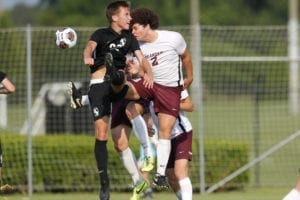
x=135, y=195
x=138, y=189
x=148, y=164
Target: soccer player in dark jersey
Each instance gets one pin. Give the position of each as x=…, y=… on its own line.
x=116, y=41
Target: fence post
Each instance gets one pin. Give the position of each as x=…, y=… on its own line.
x=29, y=103
x=293, y=52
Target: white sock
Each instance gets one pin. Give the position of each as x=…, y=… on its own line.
x=178, y=195
x=292, y=195
x=85, y=100
x=163, y=153
x=141, y=131
x=186, y=188
x=129, y=161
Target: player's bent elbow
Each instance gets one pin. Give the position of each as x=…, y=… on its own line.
x=190, y=107
x=11, y=89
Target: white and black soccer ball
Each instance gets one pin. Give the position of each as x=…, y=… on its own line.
x=66, y=37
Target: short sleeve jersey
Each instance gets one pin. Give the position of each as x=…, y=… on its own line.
x=2, y=76
x=164, y=57
x=118, y=44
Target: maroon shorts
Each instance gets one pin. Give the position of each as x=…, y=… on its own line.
x=165, y=99
x=118, y=114
x=181, y=148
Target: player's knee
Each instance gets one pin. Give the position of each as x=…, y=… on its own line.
x=101, y=136
x=132, y=110
x=180, y=174
x=120, y=147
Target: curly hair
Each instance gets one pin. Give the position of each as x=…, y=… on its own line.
x=144, y=16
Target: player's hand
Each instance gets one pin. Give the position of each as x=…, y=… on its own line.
x=148, y=81
x=187, y=82
x=88, y=61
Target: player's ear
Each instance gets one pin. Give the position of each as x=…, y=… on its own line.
x=114, y=18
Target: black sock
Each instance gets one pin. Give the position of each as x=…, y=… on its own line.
x=101, y=156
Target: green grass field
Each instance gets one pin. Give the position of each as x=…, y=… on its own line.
x=247, y=194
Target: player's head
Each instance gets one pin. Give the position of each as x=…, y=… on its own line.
x=143, y=24
x=114, y=8
x=144, y=16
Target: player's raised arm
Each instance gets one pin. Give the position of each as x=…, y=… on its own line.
x=88, y=52
x=187, y=63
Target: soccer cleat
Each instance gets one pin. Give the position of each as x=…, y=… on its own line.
x=110, y=69
x=5, y=189
x=138, y=189
x=160, y=181
x=141, y=187
x=104, y=193
x=75, y=96
x=148, y=164
x=135, y=195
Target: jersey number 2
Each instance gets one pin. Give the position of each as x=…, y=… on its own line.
x=154, y=61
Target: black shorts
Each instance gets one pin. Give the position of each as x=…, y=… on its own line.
x=100, y=99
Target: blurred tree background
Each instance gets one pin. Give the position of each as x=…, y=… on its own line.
x=171, y=12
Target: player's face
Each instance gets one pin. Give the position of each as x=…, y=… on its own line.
x=123, y=18
x=140, y=32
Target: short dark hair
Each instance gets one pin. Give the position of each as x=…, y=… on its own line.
x=113, y=8
x=144, y=16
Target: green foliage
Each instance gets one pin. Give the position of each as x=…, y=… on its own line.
x=5, y=19
x=244, y=12
x=66, y=162
x=22, y=15
x=223, y=157
x=73, y=13
x=171, y=12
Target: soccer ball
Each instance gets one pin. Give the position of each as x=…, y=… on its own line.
x=66, y=37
